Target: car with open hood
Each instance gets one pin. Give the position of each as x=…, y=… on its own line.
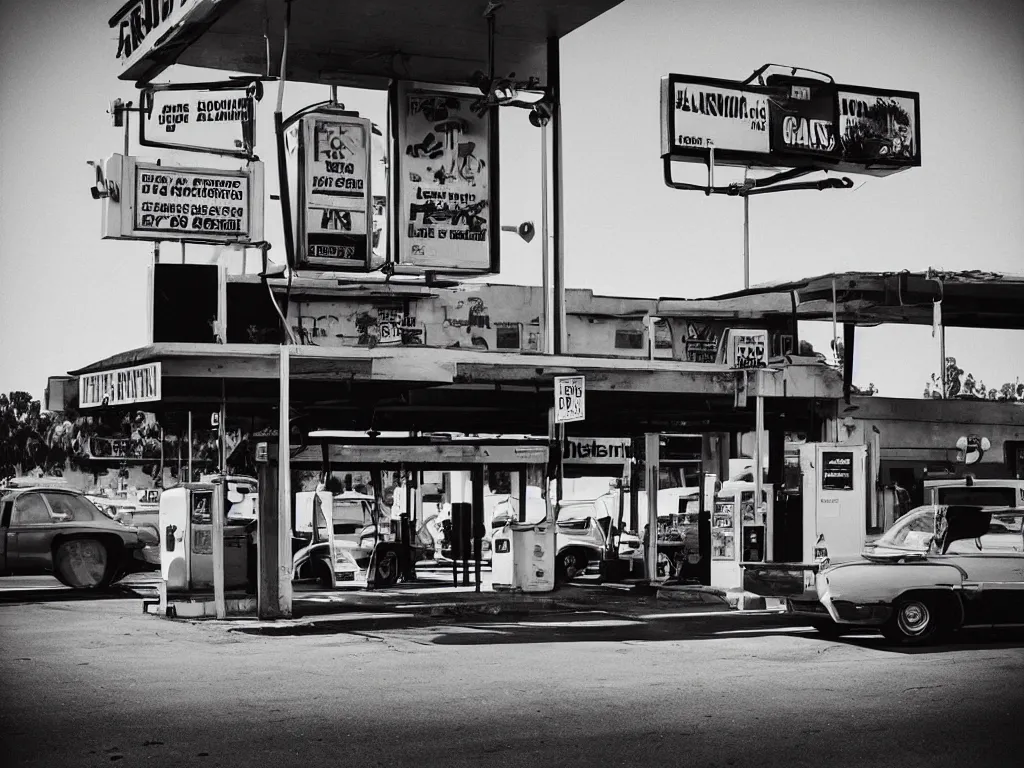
x=938, y=569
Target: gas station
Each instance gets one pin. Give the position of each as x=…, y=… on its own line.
x=363, y=348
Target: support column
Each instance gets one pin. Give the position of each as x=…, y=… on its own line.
x=558, y=230
x=217, y=512
x=652, y=452
x=268, y=597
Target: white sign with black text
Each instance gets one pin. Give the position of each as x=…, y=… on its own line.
x=570, y=399
x=121, y=386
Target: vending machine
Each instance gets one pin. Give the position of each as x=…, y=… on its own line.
x=741, y=532
x=835, y=497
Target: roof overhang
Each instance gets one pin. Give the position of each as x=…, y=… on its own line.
x=345, y=42
x=969, y=300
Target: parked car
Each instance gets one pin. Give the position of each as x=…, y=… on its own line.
x=969, y=572
x=55, y=530
x=133, y=514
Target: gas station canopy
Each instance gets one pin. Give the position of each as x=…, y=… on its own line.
x=972, y=299
x=356, y=43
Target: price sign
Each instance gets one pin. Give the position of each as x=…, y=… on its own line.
x=570, y=399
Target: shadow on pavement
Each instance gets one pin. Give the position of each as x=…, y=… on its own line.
x=66, y=594
x=958, y=642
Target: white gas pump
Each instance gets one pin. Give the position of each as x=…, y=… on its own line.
x=523, y=557
x=835, y=495
x=187, y=562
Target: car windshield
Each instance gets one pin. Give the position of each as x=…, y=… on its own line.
x=981, y=496
x=70, y=507
x=349, y=514
x=912, y=531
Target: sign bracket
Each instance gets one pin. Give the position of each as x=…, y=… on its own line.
x=758, y=186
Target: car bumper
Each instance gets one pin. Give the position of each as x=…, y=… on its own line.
x=854, y=613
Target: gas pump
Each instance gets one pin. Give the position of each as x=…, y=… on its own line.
x=835, y=494
x=741, y=532
x=187, y=567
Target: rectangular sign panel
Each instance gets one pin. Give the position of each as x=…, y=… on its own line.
x=445, y=187
x=122, y=386
x=698, y=113
x=597, y=450
x=145, y=201
x=803, y=117
x=570, y=399
x=335, y=200
x=145, y=28
x=836, y=471
x=747, y=348
x=879, y=127
x=216, y=118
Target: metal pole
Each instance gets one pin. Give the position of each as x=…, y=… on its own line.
x=217, y=543
x=651, y=457
x=284, y=490
x=547, y=326
x=746, y=241
x=221, y=436
x=942, y=359
x=190, y=446
x=558, y=277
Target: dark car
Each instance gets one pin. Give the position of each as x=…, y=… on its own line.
x=46, y=530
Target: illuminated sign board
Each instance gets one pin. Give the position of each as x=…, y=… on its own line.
x=446, y=180
x=121, y=386
x=699, y=113
x=145, y=201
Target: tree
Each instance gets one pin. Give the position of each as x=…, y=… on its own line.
x=970, y=388
x=841, y=364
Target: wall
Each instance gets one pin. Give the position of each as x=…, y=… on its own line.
x=919, y=433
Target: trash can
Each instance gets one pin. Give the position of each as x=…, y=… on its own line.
x=523, y=558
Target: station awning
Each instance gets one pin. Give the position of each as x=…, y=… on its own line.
x=430, y=389
x=971, y=299
x=364, y=44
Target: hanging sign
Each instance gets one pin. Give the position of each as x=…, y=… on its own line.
x=447, y=217
x=145, y=201
x=570, y=399
x=121, y=386
x=701, y=112
x=803, y=117
x=335, y=203
x=216, y=118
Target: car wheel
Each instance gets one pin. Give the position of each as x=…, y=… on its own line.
x=827, y=629
x=386, y=572
x=83, y=564
x=324, y=577
x=571, y=564
x=915, y=620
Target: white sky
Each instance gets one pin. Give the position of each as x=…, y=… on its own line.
x=68, y=298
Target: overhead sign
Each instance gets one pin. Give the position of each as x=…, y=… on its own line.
x=570, y=399
x=747, y=348
x=879, y=128
x=700, y=112
x=146, y=28
x=447, y=189
x=335, y=211
x=837, y=471
x=216, y=118
x=145, y=201
x=597, y=450
x=788, y=121
x=121, y=386
x=116, y=448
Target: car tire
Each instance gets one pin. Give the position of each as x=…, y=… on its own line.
x=571, y=564
x=83, y=563
x=324, y=577
x=915, y=620
x=385, y=573
x=828, y=629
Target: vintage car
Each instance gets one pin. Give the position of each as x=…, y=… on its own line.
x=968, y=570
x=55, y=530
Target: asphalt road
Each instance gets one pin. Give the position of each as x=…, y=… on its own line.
x=91, y=683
